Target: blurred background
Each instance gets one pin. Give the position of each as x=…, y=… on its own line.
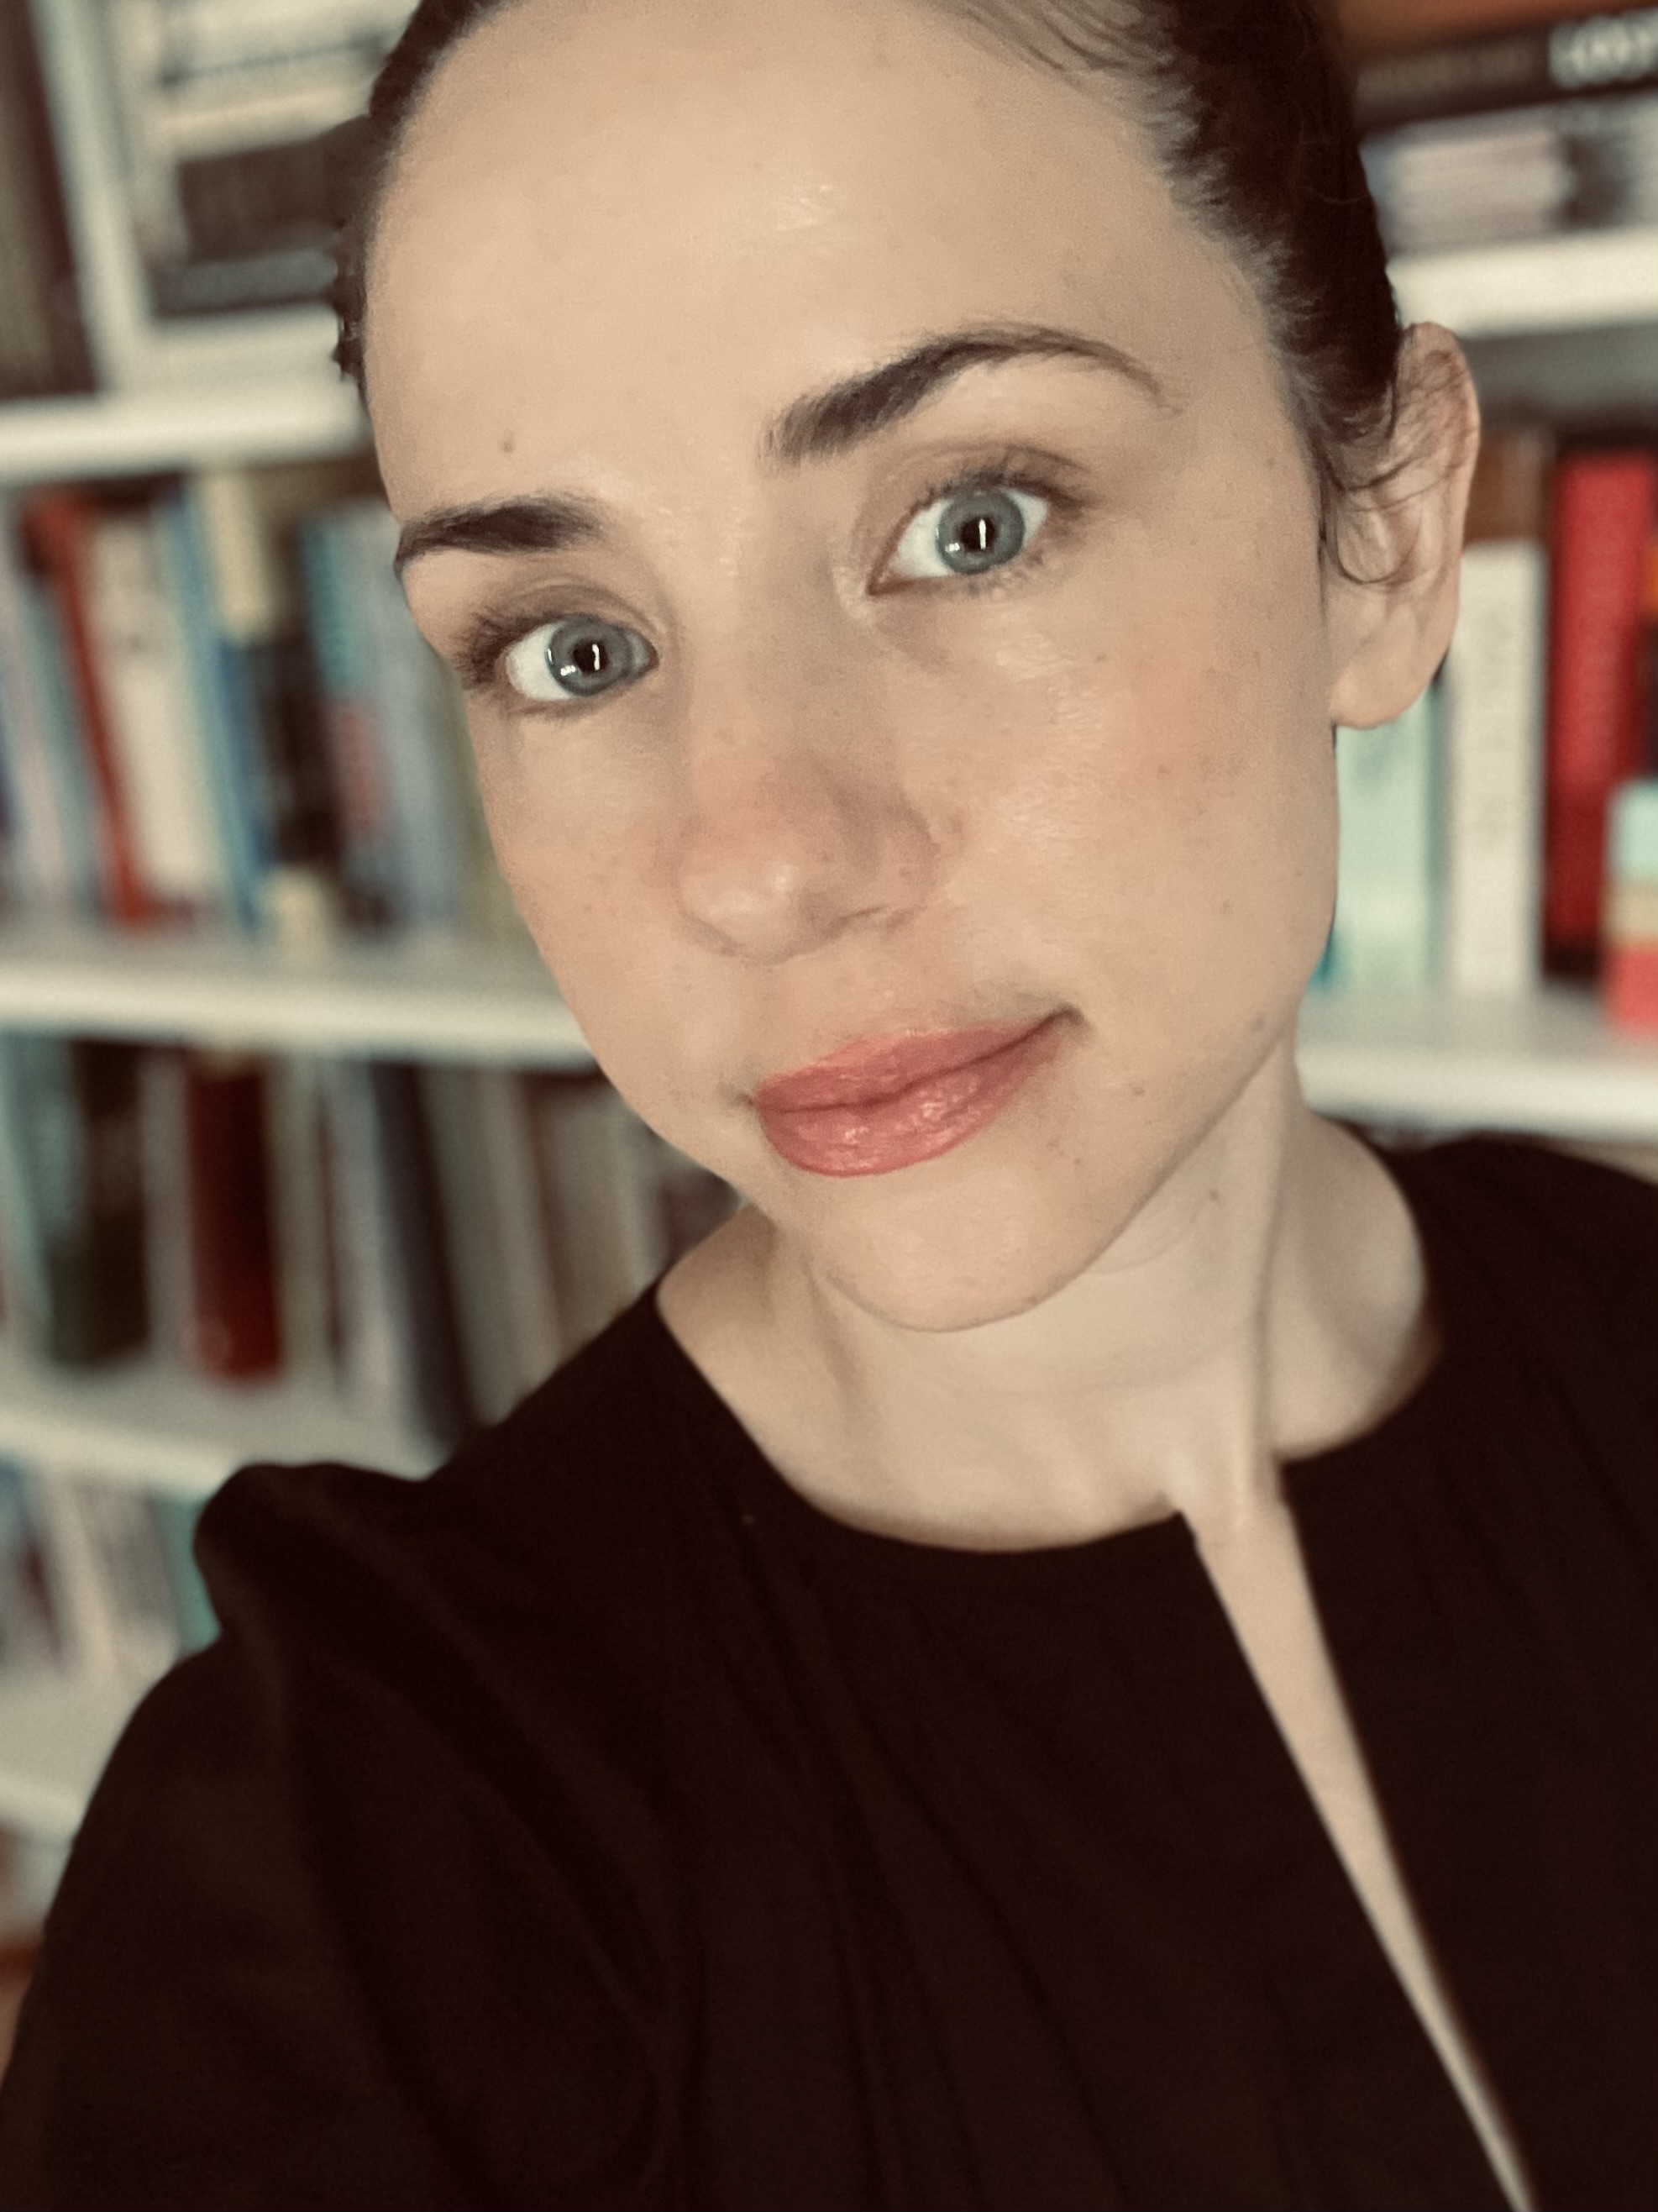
x=299, y=1149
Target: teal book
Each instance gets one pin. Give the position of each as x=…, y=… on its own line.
x=1386, y=936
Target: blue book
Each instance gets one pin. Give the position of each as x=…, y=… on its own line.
x=1386, y=936
x=228, y=716
x=175, y=1520
x=343, y=649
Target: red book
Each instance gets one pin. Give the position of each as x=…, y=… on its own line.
x=57, y=524
x=1606, y=504
x=234, y=1326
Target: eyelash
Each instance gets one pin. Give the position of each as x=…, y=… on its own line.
x=479, y=660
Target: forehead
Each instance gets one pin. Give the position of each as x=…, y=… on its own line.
x=620, y=236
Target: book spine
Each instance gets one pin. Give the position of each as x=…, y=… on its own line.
x=374, y=1360
x=236, y=1329
x=1386, y=932
x=72, y=1108
x=46, y=673
x=411, y=715
x=59, y=525
x=471, y=1238
x=1605, y=503
x=295, y=1143
x=1509, y=68
x=520, y=1220
x=43, y=850
x=223, y=707
x=175, y=1520
x=341, y=653
x=152, y=716
x=608, y=1244
x=45, y=342
x=426, y=1301
x=116, y=1578
x=164, y=1150
x=1493, y=691
x=29, y=1635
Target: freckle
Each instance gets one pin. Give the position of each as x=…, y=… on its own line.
x=509, y=442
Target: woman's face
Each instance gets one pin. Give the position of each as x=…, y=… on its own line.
x=834, y=783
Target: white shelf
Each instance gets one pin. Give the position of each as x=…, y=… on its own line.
x=1575, y=281
x=297, y=417
x=1548, y=1064
x=426, y=1000
x=56, y=1731
x=141, y=1424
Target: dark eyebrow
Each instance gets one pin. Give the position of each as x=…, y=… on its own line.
x=830, y=421
x=818, y=427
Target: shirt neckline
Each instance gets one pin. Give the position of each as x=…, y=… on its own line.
x=762, y=1496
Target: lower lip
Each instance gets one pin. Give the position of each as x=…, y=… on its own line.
x=875, y=1136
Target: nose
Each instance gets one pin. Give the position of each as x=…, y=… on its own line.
x=794, y=825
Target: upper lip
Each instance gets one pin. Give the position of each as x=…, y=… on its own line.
x=873, y=1068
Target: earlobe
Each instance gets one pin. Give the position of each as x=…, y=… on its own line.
x=1391, y=615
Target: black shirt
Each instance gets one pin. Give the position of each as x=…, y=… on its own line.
x=596, y=1823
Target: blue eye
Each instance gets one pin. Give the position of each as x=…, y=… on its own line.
x=576, y=659
x=970, y=532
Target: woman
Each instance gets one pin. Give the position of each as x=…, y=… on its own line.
x=1092, y=1646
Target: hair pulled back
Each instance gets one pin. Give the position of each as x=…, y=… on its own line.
x=1243, y=107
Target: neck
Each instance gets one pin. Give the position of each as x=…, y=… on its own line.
x=1268, y=1300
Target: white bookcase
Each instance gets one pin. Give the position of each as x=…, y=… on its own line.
x=1548, y=1064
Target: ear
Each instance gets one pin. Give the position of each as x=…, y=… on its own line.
x=1388, y=632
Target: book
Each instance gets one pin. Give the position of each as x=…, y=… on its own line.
x=234, y=1328
x=29, y=1634
x=43, y=345
x=191, y=172
x=40, y=836
x=111, y=1588
x=1506, y=66
x=174, y=1519
x=372, y=1354
x=59, y=527
x=422, y=1282
x=472, y=1237
x=522, y=1224
x=608, y=1243
x=1493, y=705
x=156, y=720
x=1629, y=975
x=278, y=752
x=1386, y=933
x=70, y=1180
x=309, y=1324
x=164, y=1150
x=1606, y=508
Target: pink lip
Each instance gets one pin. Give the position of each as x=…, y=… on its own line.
x=928, y=1115
x=879, y=1067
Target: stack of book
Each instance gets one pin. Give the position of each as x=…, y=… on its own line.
x=1513, y=135
x=168, y=185
x=214, y=710
x=1474, y=830
x=422, y=1244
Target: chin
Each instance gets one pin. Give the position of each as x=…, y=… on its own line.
x=960, y=1257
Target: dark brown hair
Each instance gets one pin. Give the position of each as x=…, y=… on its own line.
x=1245, y=111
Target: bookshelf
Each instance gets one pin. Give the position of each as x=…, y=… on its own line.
x=1546, y=1064
x=141, y=1424
x=307, y=416
x=438, y=998
x=1582, y=280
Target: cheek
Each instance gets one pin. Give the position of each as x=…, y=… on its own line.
x=1178, y=811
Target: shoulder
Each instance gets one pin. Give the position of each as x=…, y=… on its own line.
x=1543, y=1218
x=1549, y=1262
